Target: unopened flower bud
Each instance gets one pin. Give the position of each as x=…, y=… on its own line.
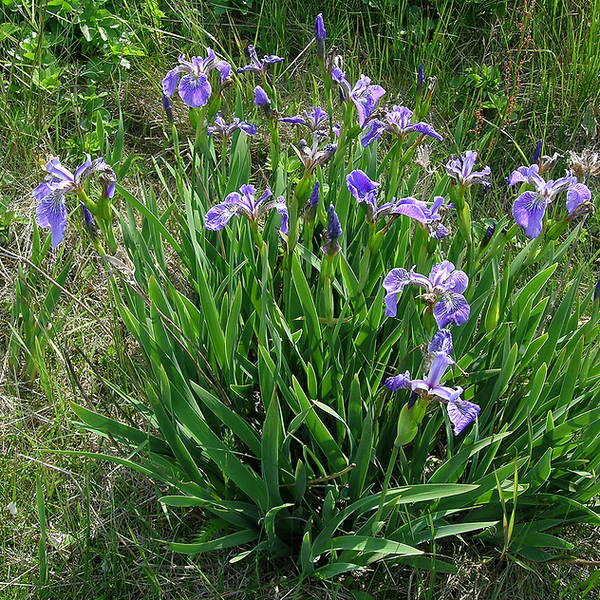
x=537, y=153
x=168, y=109
x=320, y=36
x=333, y=232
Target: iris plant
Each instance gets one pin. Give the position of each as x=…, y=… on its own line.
x=315, y=120
x=245, y=204
x=530, y=207
x=364, y=189
x=224, y=130
x=461, y=169
x=50, y=194
x=313, y=156
x=364, y=94
x=192, y=76
x=397, y=122
x=443, y=292
x=259, y=66
x=460, y=412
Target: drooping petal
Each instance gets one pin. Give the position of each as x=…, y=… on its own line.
x=445, y=393
x=426, y=129
x=394, y=283
x=218, y=216
x=271, y=59
x=362, y=187
x=437, y=231
x=441, y=342
x=462, y=413
x=518, y=176
x=561, y=185
x=295, y=120
x=421, y=280
x=89, y=167
x=224, y=69
x=399, y=382
x=375, y=131
x=365, y=96
x=46, y=187
x=169, y=83
x=413, y=208
x=451, y=308
x=195, y=91
x=529, y=210
x=247, y=128
x=261, y=99
x=51, y=213
x=576, y=195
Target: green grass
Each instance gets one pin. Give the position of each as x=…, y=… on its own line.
x=101, y=525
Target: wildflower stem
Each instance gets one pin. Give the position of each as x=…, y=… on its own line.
x=386, y=483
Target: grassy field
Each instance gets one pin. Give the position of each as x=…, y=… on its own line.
x=71, y=526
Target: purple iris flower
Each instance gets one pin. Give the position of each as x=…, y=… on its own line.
x=51, y=211
x=398, y=124
x=597, y=292
x=315, y=120
x=320, y=36
x=461, y=169
x=259, y=66
x=194, y=87
x=365, y=96
x=460, y=412
x=443, y=291
x=261, y=98
x=221, y=127
x=332, y=234
x=339, y=76
x=245, y=204
x=579, y=200
x=364, y=189
x=530, y=207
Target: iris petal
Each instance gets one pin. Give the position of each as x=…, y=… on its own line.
x=529, y=210
x=195, y=91
x=462, y=413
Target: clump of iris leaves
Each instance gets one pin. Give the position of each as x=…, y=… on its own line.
x=354, y=368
